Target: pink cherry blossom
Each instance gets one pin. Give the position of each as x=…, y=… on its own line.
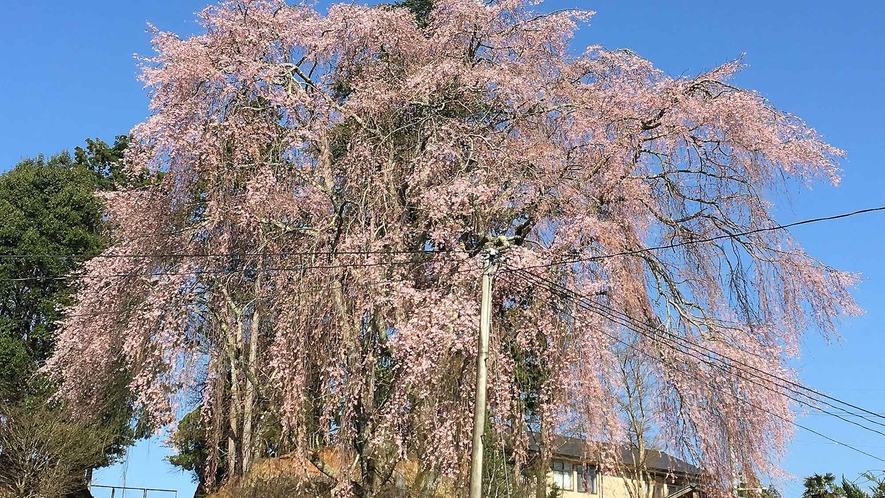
x=309, y=158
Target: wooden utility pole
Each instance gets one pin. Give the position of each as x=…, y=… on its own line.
x=490, y=266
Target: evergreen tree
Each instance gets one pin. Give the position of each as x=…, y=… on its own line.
x=822, y=486
x=51, y=221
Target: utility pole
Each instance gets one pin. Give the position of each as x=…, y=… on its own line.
x=490, y=266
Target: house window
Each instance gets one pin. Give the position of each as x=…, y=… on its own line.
x=586, y=479
x=563, y=475
x=658, y=490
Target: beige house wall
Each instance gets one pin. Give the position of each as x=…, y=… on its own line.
x=619, y=487
x=610, y=486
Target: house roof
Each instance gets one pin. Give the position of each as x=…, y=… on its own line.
x=685, y=490
x=578, y=449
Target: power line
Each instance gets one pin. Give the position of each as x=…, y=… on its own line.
x=791, y=385
x=786, y=384
x=219, y=271
x=828, y=438
x=807, y=441
x=435, y=251
x=675, y=245
x=393, y=251
x=94, y=314
x=710, y=363
x=744, y=400
x=236, y=255
x=708, y=360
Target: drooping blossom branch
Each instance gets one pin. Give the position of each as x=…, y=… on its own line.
x=307, y=255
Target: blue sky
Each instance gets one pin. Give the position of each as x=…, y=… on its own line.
x=68, y=74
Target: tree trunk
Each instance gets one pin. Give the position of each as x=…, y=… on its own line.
x=233, y=422
x=233, y=469
x=368, y=464
x=231, y=326
x=543, y=463
x=216, y=436
x=247, y=443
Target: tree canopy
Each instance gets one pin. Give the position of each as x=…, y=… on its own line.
x=50, y=223
x=51, y=220
x=827, y=486
x=307, y=261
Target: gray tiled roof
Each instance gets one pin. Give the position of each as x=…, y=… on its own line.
x=577, y=449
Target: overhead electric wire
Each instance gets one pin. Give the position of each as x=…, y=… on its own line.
x=675, y=245
x=723, y=366
x=555, y=291
x=787, y=384
x=435, y=252
x=820, y=434
x=63, y=316
x=626, y=321
x=710, y=362
x=228, y=254
x=439, y=251
x=793, y=385
x=221, y=271
x=779, y=381
x=394, y=251
x=790, y=385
